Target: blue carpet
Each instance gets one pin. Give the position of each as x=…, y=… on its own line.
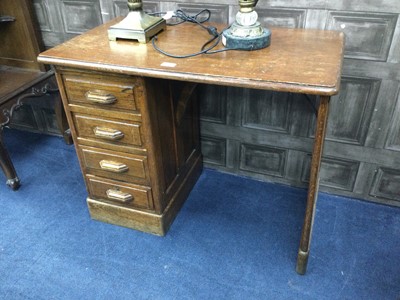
x=235, y=238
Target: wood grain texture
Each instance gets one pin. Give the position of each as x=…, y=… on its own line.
x=13, y=81
x=89, y=127
x=78, y=85
x=137, y=168
x=20, y=41
x=312, y=196
x=368, y=27
x=21, y=76
x=141, y=195
x=298, y=60
x=153, y=166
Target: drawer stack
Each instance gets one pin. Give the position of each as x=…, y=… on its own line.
x=133, y=154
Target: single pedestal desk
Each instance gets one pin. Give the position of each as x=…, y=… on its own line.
x=134, y=119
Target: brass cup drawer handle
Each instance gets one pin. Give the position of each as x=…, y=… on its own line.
x=113, y=166
x=118, y=195
x=101, y=97
x=108, y=133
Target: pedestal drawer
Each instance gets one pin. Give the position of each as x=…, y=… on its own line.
x=120, y=193
x=115, y=165
x=101, y=91
x=108, y=130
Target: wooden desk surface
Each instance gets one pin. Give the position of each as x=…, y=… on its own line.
x=298, y=60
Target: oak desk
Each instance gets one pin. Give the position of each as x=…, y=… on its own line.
x=133, y=114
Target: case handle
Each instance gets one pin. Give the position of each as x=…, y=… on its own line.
x=100, y=97
x=113, y=166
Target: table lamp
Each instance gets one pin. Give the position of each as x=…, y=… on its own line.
x=246, y=33
x=137, y=25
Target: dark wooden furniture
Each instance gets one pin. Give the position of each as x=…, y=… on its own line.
x=21, y=76
x=141, y=165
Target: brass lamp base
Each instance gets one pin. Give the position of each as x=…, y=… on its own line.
x=137, y=26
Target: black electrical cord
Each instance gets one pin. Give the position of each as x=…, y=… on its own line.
x=184, y=17
x=205, y=49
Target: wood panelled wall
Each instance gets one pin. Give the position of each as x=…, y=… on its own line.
x=267, y=135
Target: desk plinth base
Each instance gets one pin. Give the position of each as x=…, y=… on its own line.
x=157, y=224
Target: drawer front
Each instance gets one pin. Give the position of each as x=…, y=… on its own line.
x=101, y=91
x=120, y=193
x=114, y=132
x=115, y=165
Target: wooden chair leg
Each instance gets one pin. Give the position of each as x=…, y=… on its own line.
x=304, y=249
x=7, y=166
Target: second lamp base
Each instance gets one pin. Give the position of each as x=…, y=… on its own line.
x=247, y=42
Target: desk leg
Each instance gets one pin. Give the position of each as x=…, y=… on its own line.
x=304, y=249
x=7, y=166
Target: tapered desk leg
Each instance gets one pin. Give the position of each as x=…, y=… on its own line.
x=7, y=166
x=304, y=249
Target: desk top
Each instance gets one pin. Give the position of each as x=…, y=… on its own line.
x=298, y=60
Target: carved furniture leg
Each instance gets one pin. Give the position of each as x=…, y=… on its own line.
x=62, y=122
x=5, y=160
x=7, y=166
x=304, y=249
